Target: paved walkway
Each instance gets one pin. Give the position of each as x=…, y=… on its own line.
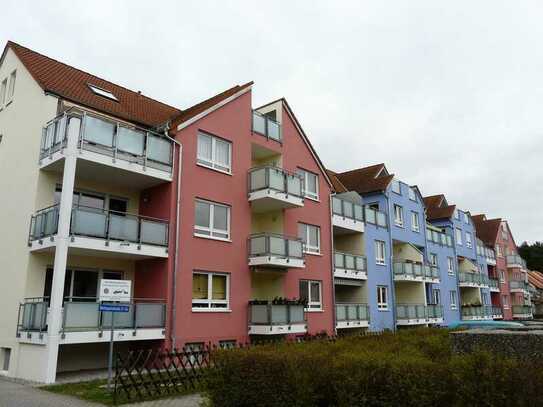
x=20, y=395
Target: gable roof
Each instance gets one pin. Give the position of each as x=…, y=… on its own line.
x=200, y=108
x=72, y=84
x=365, y=180
x=438, y=208
x=434, y=200
x=536, y=279
x=486, y=229
x=336, y=183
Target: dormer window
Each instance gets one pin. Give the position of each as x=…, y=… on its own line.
x=102, y=92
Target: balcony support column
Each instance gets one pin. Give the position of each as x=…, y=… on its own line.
x=61, y=250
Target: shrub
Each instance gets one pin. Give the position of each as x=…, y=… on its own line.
x=411, y=368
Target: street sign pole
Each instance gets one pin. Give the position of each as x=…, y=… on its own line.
x=110, y=359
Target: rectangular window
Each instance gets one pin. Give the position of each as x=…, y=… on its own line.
x=415, y=221
x=212, y=220
x=436, y=296
x=210, y=291
x=452, y=296
x=505, y=301
x=450, y=266
x=311, y=237
x=382, y=297
x=433, y=259
x=3, y=90
x=502, y=276
x=312, y=293
x=456, y=214
x=459, y=236
x=214, y=152
x=396, y=187
x=498, y=250
x=311, y=184
x=398, y=215
x=466, y=218
x=412, y=194
x=11, y=90
x=468, y=240
x=380, y=252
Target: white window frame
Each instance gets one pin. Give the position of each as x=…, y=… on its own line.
x=499, y=251
x=436, y=296
x=450, y=266
x=382, y=298
x=307, y=248
x=313, y=305
x=415, y=226
x=412, y=194
x=3, y=92
x=398, y=215
x=199, y=230
x=501, y=274
x=466, y=218
x=458, y=235
x=210, y=301
x=11, y=87
x=213, y=164
x=505, y=301
x=453, y=298
x=457, y=214
x=469, y=244
x=380, y=260
x=311, y=195
x=97, y=90
x=432, y=257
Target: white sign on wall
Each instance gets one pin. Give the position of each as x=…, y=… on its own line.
x=115, y=290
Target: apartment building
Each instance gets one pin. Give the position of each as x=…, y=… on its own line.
x=473, y=283
x=509, y=268
x=403, y=277
x=218, y=214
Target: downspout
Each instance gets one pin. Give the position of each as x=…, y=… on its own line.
x=391, y=259
x=334, y=318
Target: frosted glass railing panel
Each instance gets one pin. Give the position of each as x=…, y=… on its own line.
x=150, y=315
x=131, y=141
x=123, y=228
x=154, y=232
x=81, y=315
x=99, y=131
x=88, y=222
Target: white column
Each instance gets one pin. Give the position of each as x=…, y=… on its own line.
x=61, y=250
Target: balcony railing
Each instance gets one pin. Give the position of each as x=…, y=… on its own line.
x=497, y=311
x=518, y=285
x=100, y=223
x=375, y=217
x=275, y=245
x=477, y=279
x=350, y=261
x=515, y=259
x=480, y=311
x=276, y=314
x=352, y=312
x=411, y=270
x=431, y=272
x=347, y=209
x=277, y=179
x=439, y=238
x=266, y=126
x=522, y=310
x=418, y=312
x=493, y=283
x=82, y=314
x=111, y=138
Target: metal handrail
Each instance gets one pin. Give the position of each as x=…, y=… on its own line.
x=267, y=184
x=358, y=314
x=347, y=209
x=267, y=246
x=343, y=262
x=267, y=121
x=270, y=320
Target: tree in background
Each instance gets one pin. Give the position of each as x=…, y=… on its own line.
x=533, y=254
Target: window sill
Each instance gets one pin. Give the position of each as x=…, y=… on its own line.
x=313, y=310
x=213, y=169
x=399, y=225
x=415, y=231
x=312, y=199
x=211, y=310
x=383, y=309
x=314, y=254
x=380, y=264
x=212, y=238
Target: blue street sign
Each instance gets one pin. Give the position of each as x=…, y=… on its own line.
x=114, y=308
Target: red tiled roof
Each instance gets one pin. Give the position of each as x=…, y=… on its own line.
x=336, y=183
x=434, y=200
x=72, y=84
x=487, y=229
x=435, y=209
x=365, y=180
x=536, y=279
x=206, y=104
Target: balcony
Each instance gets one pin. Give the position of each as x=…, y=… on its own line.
x=83, y=322
x=95, y=230
x=137, y=156
x=439, y=238
x=350, y=266
x=515, y=261
x=519, y=286
x=276, y=251
x=477, y=313
x=497, y=312
x=418, y=314
x=272, y=188
x=431, y=274
x=352, y=316
x=522, y=312
x=494, y=285
x=476, y=280
x=276, y=319
x=347, y=217
x=266, y=127
x=490, y=256
x=406, y=271
x=375, y=217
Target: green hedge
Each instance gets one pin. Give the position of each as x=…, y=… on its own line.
x=411, y=368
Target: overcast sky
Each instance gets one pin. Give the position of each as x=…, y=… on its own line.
x=448, y=94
